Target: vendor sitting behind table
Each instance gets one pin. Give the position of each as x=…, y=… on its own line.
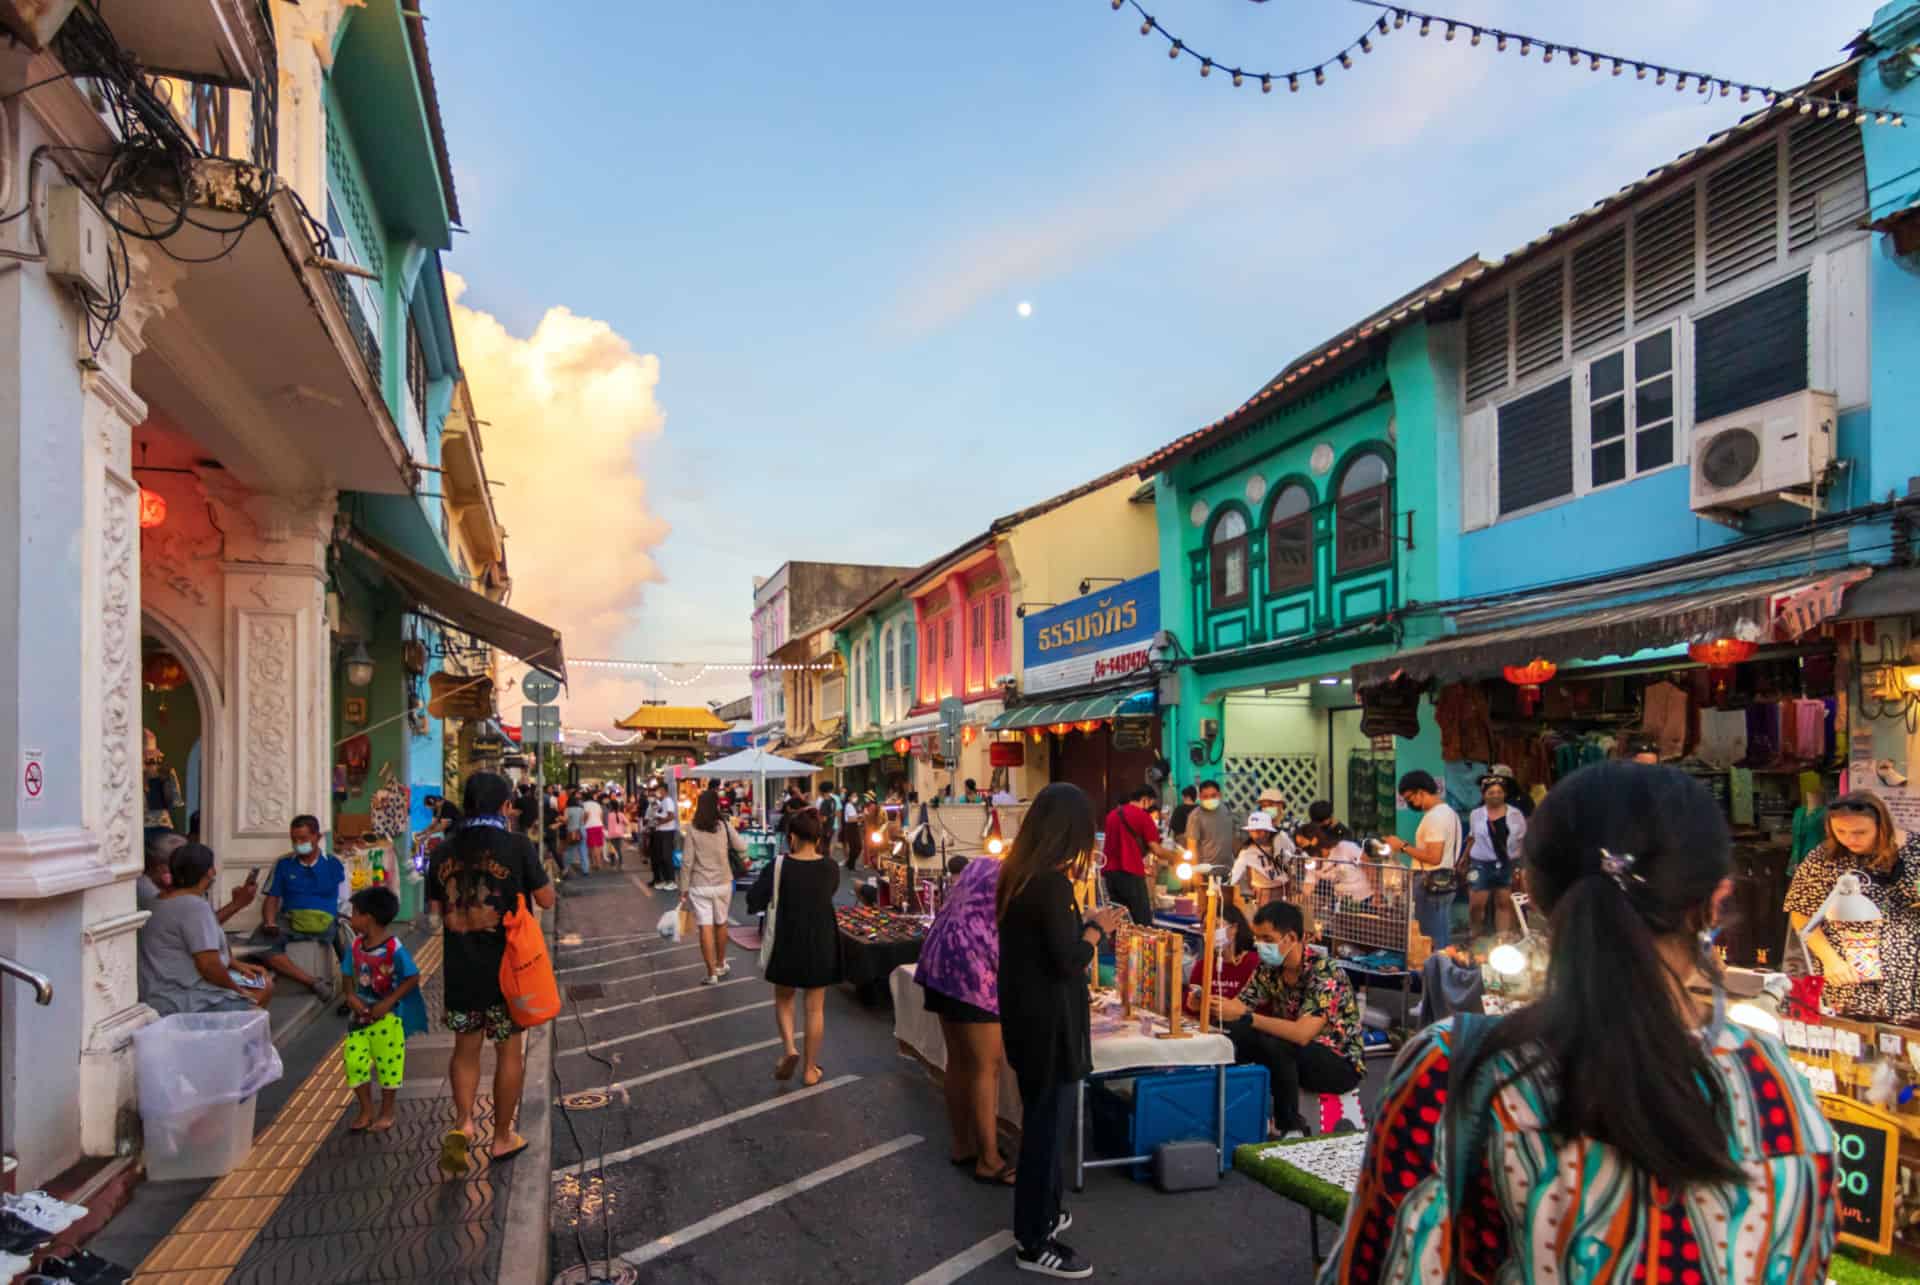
x=1337, y=861
x=1234, y=959
x=1863, y=840
x=1298, y=1017
x=1261, y=866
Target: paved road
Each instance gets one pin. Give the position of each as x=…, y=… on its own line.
x=714, y=1173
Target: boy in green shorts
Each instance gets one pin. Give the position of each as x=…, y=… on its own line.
x=383, y=991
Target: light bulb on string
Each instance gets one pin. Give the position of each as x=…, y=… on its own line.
x=1546, y=54
x=1680, y=85
x=1346, y=62
x=1526, y=46
x=1573, y=57
x=1366, y=45
x=1744, y=92
x=1146, y=28
x=1266, y=84
x=1236, y=80
x=1173, y=50
x=1399, y=19
x=1639, y=72
x=1450, y=31
x=1806, y=107
x=1500, y=44
x=1119, y=4
x=1660, y=78
x=1824, y=112
x=1206, y=67
x=1616, y=66
x=1593, y=64
x=1474, y=39
x=1381, y=26
x=1725, y=89
x=1426, y=25
x=1319, y=75
x=1293, y=84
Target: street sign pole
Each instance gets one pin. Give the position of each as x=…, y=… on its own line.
x=541, y=689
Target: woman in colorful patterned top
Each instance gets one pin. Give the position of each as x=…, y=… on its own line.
x=1618, y=1129
x=1298, y=1017
x=958, y=968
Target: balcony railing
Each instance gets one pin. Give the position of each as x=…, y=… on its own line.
x=363, y=335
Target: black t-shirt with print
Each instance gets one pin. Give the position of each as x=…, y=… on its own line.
x=475, y=933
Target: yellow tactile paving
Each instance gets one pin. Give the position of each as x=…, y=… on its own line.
x=217, y=1232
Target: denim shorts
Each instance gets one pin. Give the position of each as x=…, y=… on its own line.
x=1488, y=876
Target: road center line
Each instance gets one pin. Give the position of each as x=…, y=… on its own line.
x=767, y=1200
x=966, y=1260
x=706, y=1126
x=670, y=1026
x=691, y=990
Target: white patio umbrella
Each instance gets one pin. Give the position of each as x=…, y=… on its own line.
x=755, y=764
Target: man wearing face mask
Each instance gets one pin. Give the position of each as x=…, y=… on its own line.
x=1298, y=1017
x=308, y=886
x=1209, y=835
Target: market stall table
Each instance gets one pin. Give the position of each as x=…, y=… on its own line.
x=874, y=942
x=1318, y=1174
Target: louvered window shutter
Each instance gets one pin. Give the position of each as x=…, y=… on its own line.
x=1487, y=346
x=1600, y=289
x=1826, y=180
x=1535, y=438
x=1743, y=212
x=1539, y=322
x=1663, y=256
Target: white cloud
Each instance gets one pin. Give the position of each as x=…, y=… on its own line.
x=565, y=410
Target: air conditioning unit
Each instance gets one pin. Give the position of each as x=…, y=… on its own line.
x=1776, y=452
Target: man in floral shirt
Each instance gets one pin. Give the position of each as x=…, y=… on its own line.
x=1297, y=1016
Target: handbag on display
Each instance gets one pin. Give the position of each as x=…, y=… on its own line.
x=773, y=911
x=389, y=807
x=922, y=842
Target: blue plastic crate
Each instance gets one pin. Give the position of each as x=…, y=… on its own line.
x=1132, y=1116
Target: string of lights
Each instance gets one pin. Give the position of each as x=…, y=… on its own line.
x=1394, y=17
x=658, y=667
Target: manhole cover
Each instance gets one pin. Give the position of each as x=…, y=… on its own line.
x=586, y=1100
x=587, y=990
x=615, y=1273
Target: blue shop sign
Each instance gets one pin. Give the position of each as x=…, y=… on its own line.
x=1094, y=637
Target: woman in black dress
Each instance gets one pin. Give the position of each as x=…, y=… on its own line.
x=806, y=946
x=1045, y=948
x=478, y=875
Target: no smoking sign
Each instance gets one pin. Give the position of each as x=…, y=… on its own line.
x=33, y=775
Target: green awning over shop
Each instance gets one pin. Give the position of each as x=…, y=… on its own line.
x=859, y=754
x=1102, y=705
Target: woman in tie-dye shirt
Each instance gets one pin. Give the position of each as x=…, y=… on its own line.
x=1618, y=1129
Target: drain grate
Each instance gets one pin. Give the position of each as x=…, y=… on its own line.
x=586, y=1100
x=586, y=990
x=615, y=1273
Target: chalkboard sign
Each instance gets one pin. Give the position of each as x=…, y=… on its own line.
x=1866, y=1153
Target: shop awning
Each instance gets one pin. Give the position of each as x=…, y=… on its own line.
x=458, y=607
x=861, y=754
x=1750, y=612
x=1100, y=705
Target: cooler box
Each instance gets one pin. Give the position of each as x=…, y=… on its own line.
x=216, y=1141
x=1133, y=1115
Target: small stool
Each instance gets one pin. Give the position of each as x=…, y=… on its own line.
x=1335, y=1107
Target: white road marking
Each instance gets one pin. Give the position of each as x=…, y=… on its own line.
x=966, y=1260
x=767, y=1200
x=695, y=1065
x=658, y=972
x=670, y=1026
x=666, y=1140
x=691, y=990
x=624, y=959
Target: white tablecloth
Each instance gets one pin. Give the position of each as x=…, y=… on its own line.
x=1117, y=1046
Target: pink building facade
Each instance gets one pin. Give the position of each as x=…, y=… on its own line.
x=964, y=618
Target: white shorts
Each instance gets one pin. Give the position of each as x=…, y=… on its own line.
x=710, y=905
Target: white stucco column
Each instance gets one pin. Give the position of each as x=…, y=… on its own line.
x=110, y=709
x=278, y=719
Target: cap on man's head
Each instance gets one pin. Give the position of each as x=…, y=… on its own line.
x=1260, y=823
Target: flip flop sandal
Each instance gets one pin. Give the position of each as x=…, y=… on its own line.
x=786, y=1066
x=454, y=1159
x=505, y=1156
x=963, y=1162
x=813, y=1077
x=1002, y=1178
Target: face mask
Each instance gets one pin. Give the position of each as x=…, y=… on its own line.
x=1211, y=805
x=1270, y=953
x=303, y=849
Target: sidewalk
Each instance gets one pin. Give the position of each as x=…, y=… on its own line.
x=312, y=1203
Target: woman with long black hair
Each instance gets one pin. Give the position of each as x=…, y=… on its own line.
x=477, y=877
x=1045, y=947
x=1618, y=1128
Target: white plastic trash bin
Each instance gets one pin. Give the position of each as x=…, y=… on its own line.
x=199, y=1074
x=208, y=1146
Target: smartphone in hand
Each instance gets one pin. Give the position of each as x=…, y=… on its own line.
x=253, y=877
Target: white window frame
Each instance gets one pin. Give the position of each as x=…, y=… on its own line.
x=889, y=666
x=1583, y=483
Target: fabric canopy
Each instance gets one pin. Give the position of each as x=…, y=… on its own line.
x=458, y=607
x=749, y=763
x=1102, y=705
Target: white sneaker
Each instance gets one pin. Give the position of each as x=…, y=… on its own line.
x=713, y=979
x=15, y=1264
x=726, y=969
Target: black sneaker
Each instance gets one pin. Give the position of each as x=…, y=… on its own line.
x=1053, y=1259
x=1061, y=1222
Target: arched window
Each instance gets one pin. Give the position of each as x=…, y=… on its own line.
x=1364, y=518
x=1227, y=556
x=1290, y=539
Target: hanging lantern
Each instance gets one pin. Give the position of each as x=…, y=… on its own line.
x=1090, y=725
x=1528, y=678
x=153, y=509
x=1038, y=736
x=1061, y=729
x=967, y=734
x=162, y=672
x=901, y=745
x=1722, y=652
x=991, y=835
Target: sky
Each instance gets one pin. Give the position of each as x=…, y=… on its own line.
x=742, y=282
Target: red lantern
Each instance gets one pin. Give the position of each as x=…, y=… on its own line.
x=901, y=745
x=153, y=509
x=1061, y=729
x=162, y=672
x=1038, y=735
x=1090, y=725
x=1528, y=678
x=1722, y=652
x=966, y=735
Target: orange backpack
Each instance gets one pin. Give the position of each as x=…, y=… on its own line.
x=526, y=971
